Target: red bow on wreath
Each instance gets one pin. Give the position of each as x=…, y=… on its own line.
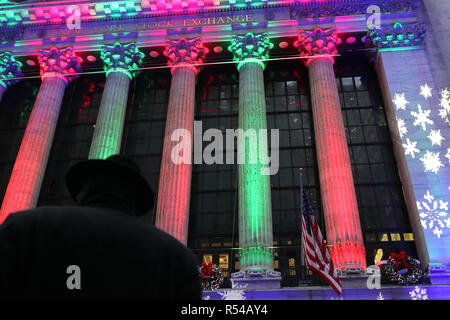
x=400, y=257
x=207, y=270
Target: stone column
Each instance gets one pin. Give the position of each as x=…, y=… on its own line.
x=418, y=118
x=121, y=63
x=172, y=212
x=58, y=67
x=255, y=211
x=9, y=72
x=343, y=228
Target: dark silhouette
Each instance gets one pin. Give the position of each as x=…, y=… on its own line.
x=118, y=254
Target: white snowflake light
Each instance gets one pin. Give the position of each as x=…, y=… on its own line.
x=425, y=91
x=232, y=294
x=431, y=162
x=418, y=294
x=422, y=117
x=380, y=296
x=433, y=213
x=444, y=112
x=410, y=147
x=400, y=101
x=448, y=155
x=402, y=130
x=435, y=137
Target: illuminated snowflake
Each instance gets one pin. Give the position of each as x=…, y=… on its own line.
x=410, y=147
x=232, y=294
x=400, y=101
x=444, y=112
x=425, y=91
x=448, y=155
x=435, y=137
x=433, y=213
x=418, y=294
x=380, y=296
x=431, y=162
x=206, y=298
x=402, y=130
x=422, y=117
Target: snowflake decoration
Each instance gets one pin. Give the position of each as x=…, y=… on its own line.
x=448, y=156
x=444, y=112
x=435, y=137
x=433, y=213
x=232, y=294
x=431, y=162
x=380, y=296
x=206, y=298
x=422, y=117
x=425, y=91
x=400, y=101
x=418, y=294
x=402, y=130
x=410, y=148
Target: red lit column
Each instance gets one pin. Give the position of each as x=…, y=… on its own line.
x=9, y=72
x=342, y=222
x=172, y=212
x=24, y=185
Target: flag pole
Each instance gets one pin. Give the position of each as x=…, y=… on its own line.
x=302, y=255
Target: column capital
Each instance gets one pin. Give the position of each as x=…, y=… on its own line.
x=185, y=52
x=398, y=35
x=61, y=63
x=124, y=58
x=317, y=43
x=9, y=69
x=250, y=48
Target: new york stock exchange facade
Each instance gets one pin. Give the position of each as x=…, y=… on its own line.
x=356, y=88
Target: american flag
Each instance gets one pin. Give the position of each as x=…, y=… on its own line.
x=314, y=252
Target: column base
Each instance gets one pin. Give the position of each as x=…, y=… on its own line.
x=256, y=279
x=354, y=278
x=439, y=274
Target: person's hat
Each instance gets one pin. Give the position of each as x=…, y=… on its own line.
x=124, y=169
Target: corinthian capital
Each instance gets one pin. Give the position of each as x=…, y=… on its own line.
x=317, y=43
x=398, y=35
x=124, y=58
x=184, y=52
x=9, y=69
x=62, y=63
x=250, y=48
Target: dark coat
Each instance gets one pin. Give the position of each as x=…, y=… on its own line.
x=119, y=256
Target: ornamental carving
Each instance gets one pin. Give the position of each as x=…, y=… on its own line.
x=343, y=9
x=121, y=58
x=59, y=62
x=250, y=47
x=185, y=52
x=398, y=35
x=9, y=69
x=317, y=43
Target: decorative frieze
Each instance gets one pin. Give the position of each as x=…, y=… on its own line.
x=124, y=58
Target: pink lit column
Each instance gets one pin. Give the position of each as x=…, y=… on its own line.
x=172, y=212
x=24, y=185
x=343, y=228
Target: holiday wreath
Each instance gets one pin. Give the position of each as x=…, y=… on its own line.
x=211, y=276
x=397, y=274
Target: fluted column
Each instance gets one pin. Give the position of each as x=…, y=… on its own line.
x=255, y=212
x=58, y=67
x=121, y=63
x=337, y=189
x=9, y=72
x=172, y=212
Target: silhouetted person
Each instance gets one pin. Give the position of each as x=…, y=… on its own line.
x=99, y=246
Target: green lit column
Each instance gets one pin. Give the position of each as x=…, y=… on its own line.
x=255, y=212
x=121, y=63
x=9, y=71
